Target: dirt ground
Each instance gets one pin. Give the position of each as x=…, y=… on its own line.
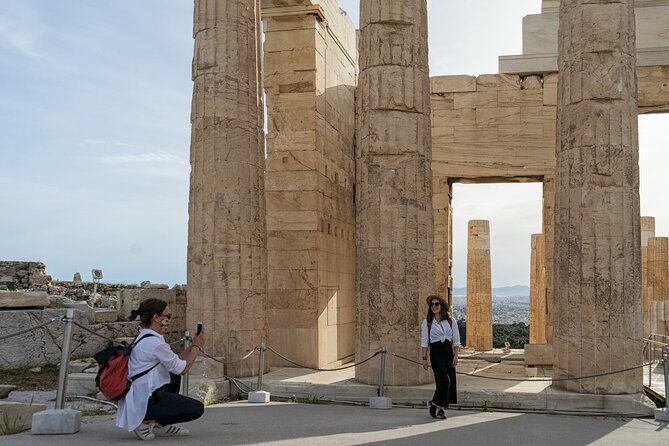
x=24, y=379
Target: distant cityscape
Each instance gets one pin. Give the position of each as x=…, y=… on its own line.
x=509, y=304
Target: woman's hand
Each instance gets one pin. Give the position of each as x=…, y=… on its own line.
x=200, y=340
x=424, y=364
x=455, y=361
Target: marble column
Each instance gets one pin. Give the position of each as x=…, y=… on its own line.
x=227, y=259
x=537, y=291
x=658, y=269
x=647, y=231
x=479, y=286
x=394, y=232
x=597, y=324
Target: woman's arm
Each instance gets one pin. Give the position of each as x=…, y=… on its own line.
x=191, y=353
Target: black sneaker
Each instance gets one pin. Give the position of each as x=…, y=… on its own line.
x=431, y=409
x=441, y=414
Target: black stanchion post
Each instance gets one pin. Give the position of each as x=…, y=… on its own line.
x=261, y=365
x=382, y=371
x=186, y=381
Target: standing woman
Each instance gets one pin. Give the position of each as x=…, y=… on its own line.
x=153, y=405
x=440, y=332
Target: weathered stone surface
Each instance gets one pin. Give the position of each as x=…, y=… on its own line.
x=310, y=76
x=43, y=345
x=658, y=268
x=227, y=259
x=105, y=315
x=647, y=231
x=598, y=325
x=56, y=421
x=23, y=299
x=394, y=233
x=17, y=417
x=5, y=390
x=479, y=286
x=81, y=384
x=537, y=291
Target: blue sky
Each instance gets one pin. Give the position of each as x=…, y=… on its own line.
x=95, y=104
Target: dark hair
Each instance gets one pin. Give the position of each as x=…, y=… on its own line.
x=147, y=309
x=444, y=309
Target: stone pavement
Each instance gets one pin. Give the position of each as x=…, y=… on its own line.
x=275, y=424
x=485, y=379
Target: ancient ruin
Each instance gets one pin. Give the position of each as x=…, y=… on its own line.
x=378, y=205
x=227, y=250
x=479, y=286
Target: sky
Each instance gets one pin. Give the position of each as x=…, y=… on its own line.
x=95, y=108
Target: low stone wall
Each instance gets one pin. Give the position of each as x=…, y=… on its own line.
x=129, y=299
x=43, y=346
x=23, y=275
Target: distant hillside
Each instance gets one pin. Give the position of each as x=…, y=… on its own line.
x=505, y=291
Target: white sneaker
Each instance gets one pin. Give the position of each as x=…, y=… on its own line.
x=145, y=431
x=172, y=430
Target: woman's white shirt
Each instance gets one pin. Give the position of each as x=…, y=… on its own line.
x=152, y=350
x=439, y=331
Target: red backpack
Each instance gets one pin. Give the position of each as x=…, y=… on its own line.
x=112, y=378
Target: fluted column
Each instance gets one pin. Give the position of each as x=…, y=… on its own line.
x=598, y=325
x=647, y=231
x=227, y=259
x=479, y=286
x=394, y=233
x=658, y=269
x=537, y=291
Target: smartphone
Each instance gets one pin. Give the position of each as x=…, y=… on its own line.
x=199, y=328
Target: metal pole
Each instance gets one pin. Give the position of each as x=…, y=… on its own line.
x=651, y=350
x=64, y=360
x=95, y=291
x=382, y=371
x=261, y=365
x=186, y=378
x=665, y=359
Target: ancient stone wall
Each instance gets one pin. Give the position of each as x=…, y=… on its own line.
x=310, y=77
x=16, y=275
x=43, y=346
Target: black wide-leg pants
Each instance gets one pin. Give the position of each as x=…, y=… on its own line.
x=167, y=407
x=441, y=360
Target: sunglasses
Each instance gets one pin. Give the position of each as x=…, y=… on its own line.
x=435, y=304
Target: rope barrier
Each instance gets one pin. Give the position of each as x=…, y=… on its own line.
x=36, y=327
x=576, y=378
x=321, y=370
x=83, y=327
x=207, y=355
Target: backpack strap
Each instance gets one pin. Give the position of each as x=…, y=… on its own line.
x=140, y=374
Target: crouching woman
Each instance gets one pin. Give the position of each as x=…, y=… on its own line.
x=153, y=405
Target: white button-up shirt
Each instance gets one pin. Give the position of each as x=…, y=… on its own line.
x=152, y=350
x=439, y=331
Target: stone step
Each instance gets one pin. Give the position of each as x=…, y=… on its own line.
x=81, y=384
x=105, y=315
x=23, y=299
x=5, y=390
x=17, y=417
